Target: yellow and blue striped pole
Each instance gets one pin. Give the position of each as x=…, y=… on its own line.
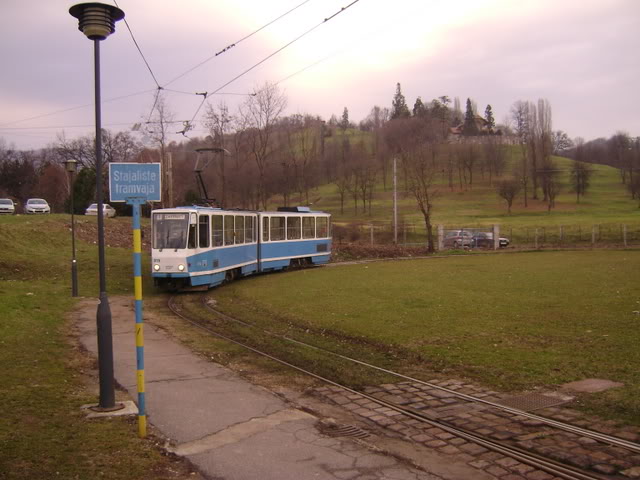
x=137, y=284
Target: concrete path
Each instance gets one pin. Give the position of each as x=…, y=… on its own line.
x=227, y=427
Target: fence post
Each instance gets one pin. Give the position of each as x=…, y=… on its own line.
x=496, y=236
x=440, y=238
x=371, y=231
x=561, y=234
x=593, y=235
x=624, y=235
x=536, y=239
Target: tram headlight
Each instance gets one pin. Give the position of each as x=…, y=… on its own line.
x=181, y=267
x=156, y=267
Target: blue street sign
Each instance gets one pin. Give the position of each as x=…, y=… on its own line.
x=134, y=180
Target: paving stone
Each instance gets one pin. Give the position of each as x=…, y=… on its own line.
x=507, y=462
x=449, y=450
x=445, y=436
x=538, y=475
x=511, y=476
x=496, y=471
x=522, y=468
x=421, y=438
x=473, y=448
x=631, y=436
x=604, y=468
x=480, y=464
x=435, y=443
x=633, y=472
x=457, y=442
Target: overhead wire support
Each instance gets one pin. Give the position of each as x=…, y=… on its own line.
x=230, y=46
x=270, y=56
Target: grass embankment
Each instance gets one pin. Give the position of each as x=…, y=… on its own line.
x=512, y=322
x=43, y=433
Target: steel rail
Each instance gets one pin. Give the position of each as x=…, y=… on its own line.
x=604, y=438
x=536, y=461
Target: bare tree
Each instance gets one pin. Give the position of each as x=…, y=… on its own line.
x=520, y=118
x=219, y=121
x=580, y=175
x=508, y=190
x=261, y=112
x=157, y=132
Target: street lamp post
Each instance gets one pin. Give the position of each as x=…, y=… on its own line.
x=72, y=166
x=97, y=22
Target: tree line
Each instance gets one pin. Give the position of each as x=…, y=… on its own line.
x=273, y=157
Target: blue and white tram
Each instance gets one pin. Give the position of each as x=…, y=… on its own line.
x=204, y=246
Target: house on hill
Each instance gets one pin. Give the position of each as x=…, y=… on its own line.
x=482, y=126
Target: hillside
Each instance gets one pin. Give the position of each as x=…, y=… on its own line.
x=606, y=201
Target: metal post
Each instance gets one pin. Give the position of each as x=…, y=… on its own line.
x=103, y=315
x=395, y=202
x=137, y=285
x=624, y=235
x=74, y=263
x=536, y=239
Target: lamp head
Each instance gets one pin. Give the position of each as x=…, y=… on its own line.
x=96, y=20
x=71, y=165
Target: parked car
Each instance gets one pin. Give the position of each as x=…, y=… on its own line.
x=7, y=206
x=107, y=210
x=458, y=239
x=485, y=240
x=37, y=205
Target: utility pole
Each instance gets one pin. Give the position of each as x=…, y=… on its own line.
x=395, y=201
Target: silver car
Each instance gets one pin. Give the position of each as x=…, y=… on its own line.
x=7, y=206
x=37, y=205
x=107, y=210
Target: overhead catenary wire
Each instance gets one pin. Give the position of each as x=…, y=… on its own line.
x=56, y=112
x=327, y=19
x=234, y=44
x=135, y=42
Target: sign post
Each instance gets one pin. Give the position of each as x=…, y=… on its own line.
x=136, y=184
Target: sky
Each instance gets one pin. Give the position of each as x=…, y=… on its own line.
x=580, y=55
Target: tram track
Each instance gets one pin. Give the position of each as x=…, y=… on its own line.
x=534, y=460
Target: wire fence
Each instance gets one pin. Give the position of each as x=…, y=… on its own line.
x=446, y=237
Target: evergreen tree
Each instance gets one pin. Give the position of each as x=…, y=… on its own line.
x=488, y=115
x=470, y=128
x=344, y=121
x=419, y=108
x=399, y=107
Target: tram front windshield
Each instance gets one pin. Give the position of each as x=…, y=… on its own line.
x=170, y=230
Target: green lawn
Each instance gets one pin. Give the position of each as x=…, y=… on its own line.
x=510, y=321
x=43, y=433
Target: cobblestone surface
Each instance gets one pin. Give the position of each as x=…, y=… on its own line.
x=517, y=430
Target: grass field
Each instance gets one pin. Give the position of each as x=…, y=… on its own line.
x=511, y=321
x=43, y=433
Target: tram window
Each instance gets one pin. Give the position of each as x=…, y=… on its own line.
x=192, y=243
x=293, y=228
x=277, y=228
x=228, y=230
x=248, y=225
x=322, y=225
x=217, y=231
x=239, y=229
x=308, y=227
x=265, y=229
x=203, y=231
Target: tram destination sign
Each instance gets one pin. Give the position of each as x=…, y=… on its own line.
x=134, y=180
